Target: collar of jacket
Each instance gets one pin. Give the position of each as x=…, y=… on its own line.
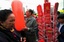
x=30, y=18
x=3, y=28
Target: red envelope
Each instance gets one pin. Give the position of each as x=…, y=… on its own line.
x=39, y=10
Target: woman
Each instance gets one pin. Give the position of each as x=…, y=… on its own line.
x=7, y=19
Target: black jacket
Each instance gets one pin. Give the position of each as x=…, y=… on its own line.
x=7, y=36
x=61, y=36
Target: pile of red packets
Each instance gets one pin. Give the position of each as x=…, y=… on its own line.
x=47, y=22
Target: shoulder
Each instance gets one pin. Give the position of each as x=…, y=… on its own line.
x=58, y=25
x=33, y=19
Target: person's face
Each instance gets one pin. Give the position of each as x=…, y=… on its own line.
x=28, y=13
x=9, y=23
x=60, y=20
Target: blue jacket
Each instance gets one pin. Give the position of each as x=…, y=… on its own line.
x=62, y=28
x=61, y=36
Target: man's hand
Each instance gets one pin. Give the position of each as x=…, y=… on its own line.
x=25, y=29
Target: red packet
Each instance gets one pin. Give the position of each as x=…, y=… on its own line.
x=39, y=10
x=47, y=13
x=56, y=8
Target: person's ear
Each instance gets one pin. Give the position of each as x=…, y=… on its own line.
x=2, y=23
x=30, y=13
x=63, y=20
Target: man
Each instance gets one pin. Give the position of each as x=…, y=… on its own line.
x=31, y=25
x=61, y=27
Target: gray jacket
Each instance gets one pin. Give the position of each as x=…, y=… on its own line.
x=31, y=23
x=31, y=33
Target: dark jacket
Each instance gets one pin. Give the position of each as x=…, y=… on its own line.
x=31, y=23
x=62, y=28
x=61, y=36
x=7, y=36
x=31, y=33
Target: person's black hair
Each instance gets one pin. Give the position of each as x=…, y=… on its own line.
x=58, y=12
x=30, y=10
x=4, y=14
x=60, y=16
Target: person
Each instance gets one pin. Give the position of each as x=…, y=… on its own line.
x=7, y=20
x=60, y=26
x=32, y=26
